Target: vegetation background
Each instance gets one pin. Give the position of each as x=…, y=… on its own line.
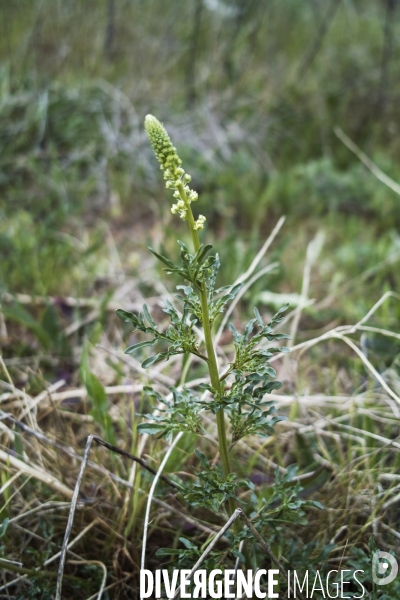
x=251, y=93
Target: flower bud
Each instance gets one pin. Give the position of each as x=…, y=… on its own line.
x=174, y=175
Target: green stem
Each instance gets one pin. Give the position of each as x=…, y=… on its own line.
x=212, y=360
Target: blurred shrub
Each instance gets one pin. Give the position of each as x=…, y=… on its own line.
x=320, y=187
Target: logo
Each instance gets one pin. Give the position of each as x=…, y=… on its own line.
x=381, y=561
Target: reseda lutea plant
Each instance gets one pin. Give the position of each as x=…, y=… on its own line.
x=239, y=392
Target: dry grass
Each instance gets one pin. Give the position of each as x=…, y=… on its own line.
x=341, y=433
x=254, y=97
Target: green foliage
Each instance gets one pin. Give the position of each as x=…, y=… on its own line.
x=243, y=400
x=46, y=329
x=39, y=589
x=187, y=556
x=322, y=187
x=284, y=504
x=248, y=412
x=18, y=313
x=194, y=266
x=181, y=414
x=363, y=561
x=98, y=396
x=306, y=557
x=55, y=137
x=216, y=302
x=247, y=358
x=179, y=334
x=213, y=489
x=238, y=394
x=196, y=269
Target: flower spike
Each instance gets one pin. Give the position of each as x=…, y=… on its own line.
x=175, y=177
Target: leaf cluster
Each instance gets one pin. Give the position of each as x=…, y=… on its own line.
x=212, y=490
x=216, y=305
x=193, y=267
x=181, y=414
x=251, y=376
x=284, y=504
x=249, y=358
x=187, y=556
x=179, y=334
x=243, y=401
x=198, y=269
x=362, y=561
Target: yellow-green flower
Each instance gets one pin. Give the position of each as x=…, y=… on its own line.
x=163, y=148
x=199, y=224
x=171, y=164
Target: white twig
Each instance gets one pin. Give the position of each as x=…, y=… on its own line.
x=375, y=170
x=135, y=364
x=343, y=329
x=150, y=497
x=41, y=437
x=76, y=539
x=238, y=562
x=70, y=522
x=35, y=472
x=392, y=531
x=313, y=250
x=52, y=505
x=103, y=568
x=378, y=330
x=261, y=253
x=73, y=302
x=385, y=296
x=369, y=366
x=8, y=483
x=249, y=271
x=44, y=394
x=238, y=512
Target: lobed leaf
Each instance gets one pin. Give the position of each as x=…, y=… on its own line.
x=150, y=428
x=132, y=349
